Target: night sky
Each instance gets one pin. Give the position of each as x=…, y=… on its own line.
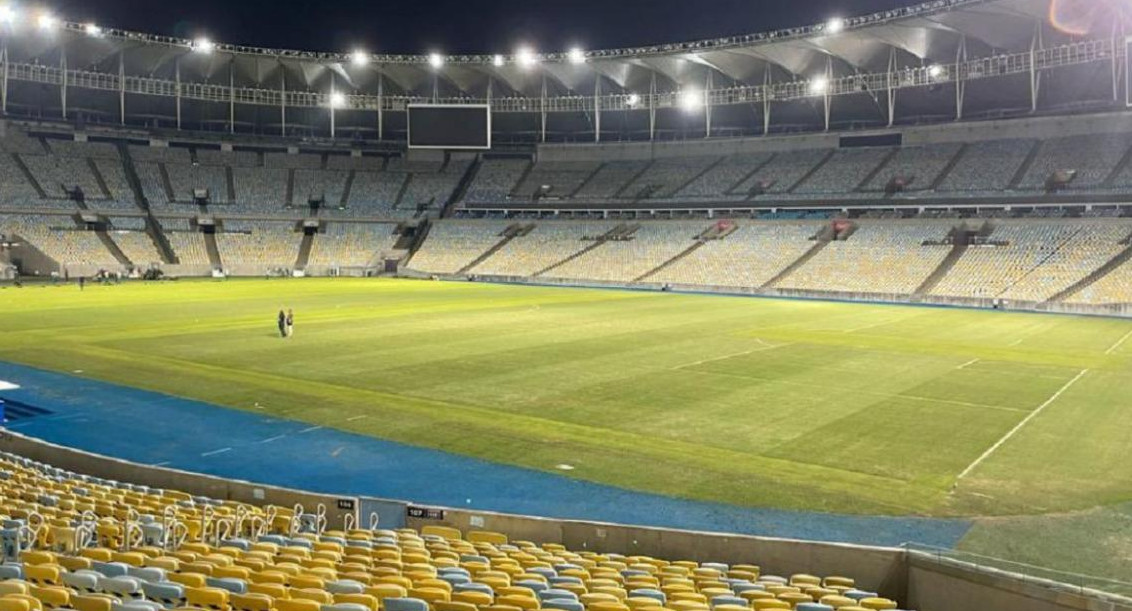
x=458, y=26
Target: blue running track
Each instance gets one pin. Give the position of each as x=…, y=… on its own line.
x=157, y=429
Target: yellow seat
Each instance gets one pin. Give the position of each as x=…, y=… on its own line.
x=606, y=605
x=448, y=605
x=479, y=599
x=276, y=591
x=19, y=604
x=522, y=602
x=429, y=594
x=189, y=580
x=367, y=600
x=483, y=536
x=447, y=532
x=795, y=598
x=207, y=598
x=834, y=580
x=837, y=601
x=38, y=557
x=877, y=603
x=686, y=605
x=42, y=574
x=14, y=586
x=251, y=602
x=770, y=603
x=321, y=597
x=52, y=597
x=297, y=605
x=33, y=603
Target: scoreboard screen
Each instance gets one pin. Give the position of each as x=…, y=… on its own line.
x=449, y=126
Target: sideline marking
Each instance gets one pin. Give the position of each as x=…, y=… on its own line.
x=275, y=438
x=1021, y=424
x=968, y=363
x=309, y=429
x=215, y=452
x=354, y=418
x=1119, y=343
x=731, y=356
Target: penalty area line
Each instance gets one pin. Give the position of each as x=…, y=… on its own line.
x=767, y=347
x=1119, y=343
x=1018, y=427
x=968, y=363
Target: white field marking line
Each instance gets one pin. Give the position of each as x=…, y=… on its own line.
x=354, y=418
x=873, y=326
x=275, y=438
x=160, y=464
x=1018, y=427
x=309, y=429
x=730, y=356
x=215, y=452
x=1119, y=343
x=968, y=363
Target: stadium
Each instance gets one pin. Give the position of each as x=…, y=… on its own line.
x=834, y=317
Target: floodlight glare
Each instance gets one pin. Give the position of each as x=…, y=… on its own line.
x=337, y=99
x=835, y=25
x=526, y=57
x=7, y=14
x=92, y=30
x=633, y=100
x=577, y=56
x=691, y=100
x=435, y=60
x=497, y=61
x=203, y=45
x=359, y=57
x=935, y=71
x=46, y=21
x=819, y=85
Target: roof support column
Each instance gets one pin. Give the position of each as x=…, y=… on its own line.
x=652, y=108
x=177, y=88
x=333, y=94
x=768, y=89
x=63, y=85
x=960, y=73
x=891, y=81
x=1116, y=38
x=232, y=95
x=282, y=101
x=826, y=97
x=4, y=82
x=542, y=109
x=1035, y=76
x=122, y=87
x=707, y=106
x=597, y=108
x=381, y=106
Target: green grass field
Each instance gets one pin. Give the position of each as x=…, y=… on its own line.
x=789, y=404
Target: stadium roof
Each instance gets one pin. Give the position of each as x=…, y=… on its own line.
x=932, y=32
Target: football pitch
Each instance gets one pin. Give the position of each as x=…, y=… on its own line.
x=1021, y=420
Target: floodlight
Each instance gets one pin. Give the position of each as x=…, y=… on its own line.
x=819, y=86
x=526, y=57
x=691, y=99
x=577, y=56
x=92, y=29
x=633, y=100
x=47, y=21
x=935, y=71
x=359, y=57
x=203, y=45
x=337, y=99
x=497, y=61
x=435, y=60
x=835, y=25
x=7, y=14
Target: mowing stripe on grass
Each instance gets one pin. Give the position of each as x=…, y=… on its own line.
x=1118, y=343
x=1018, y=427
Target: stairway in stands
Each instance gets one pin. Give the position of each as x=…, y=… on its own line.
x=1120, y=259
x=29, y=176
x=305, y=250
x=719, y=231
x=513, y=231
x=821, y=240
x=152, y=226
x=213, y=250
x=620, y=232
x=960, y=242
x=112, y=246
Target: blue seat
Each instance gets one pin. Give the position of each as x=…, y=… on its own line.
x=455, y=578
x=554, y=581
x=233, y=585
x=10, y=570
x=147, y=573
x=167, y=593
x=82, y=581
x=404, y=604
x=454, y=570
x=627, y=573
x=474, y=558
x=535, y=585
x=719, y=566
x=812, y=607
x=739, y=588
x=473, y=587
x=554, y=594
x=542, y=570
x=345, y=607
x=346, y=586
x=859, y=594
x=563, y=604
x=655, y=594
x=727, y=600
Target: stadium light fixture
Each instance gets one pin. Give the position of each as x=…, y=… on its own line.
x=92, y=30
x=835, y=25
x=436, y=60
x=577, y=56
x=46, y=21
x=633, y=100
x=526, y=57
x=935, y=71
x=497, y=61
x=7, y=14
x=359, y=57
x=203, y=45
x=337, y=99
x=819, y=86
x=691, y=100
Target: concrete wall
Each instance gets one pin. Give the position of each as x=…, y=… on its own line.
x=30, y=260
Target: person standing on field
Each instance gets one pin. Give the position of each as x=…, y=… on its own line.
x=282, y=324
x=290, y=322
